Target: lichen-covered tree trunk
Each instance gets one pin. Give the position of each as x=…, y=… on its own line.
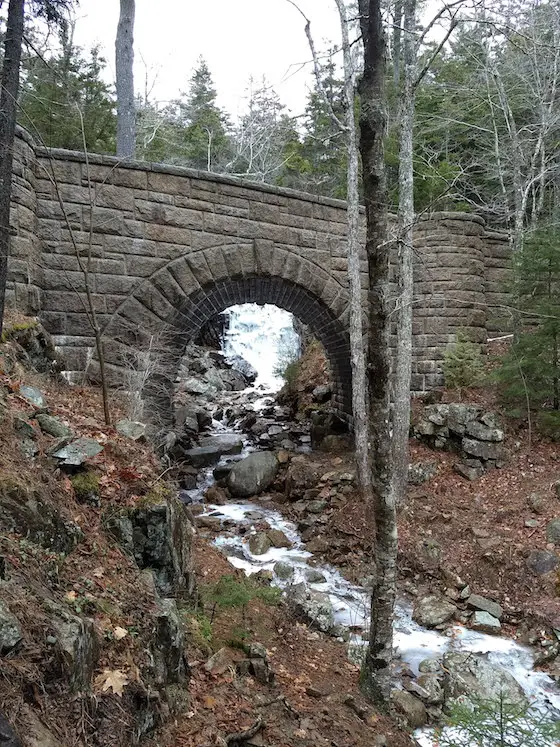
x=376, y=674
x=8, y=103
x=405, y=277
x=359, y=378
x=124, y=61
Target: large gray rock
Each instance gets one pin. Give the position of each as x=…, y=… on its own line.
x=553, y=531
x=196, y=386
x=244, y=367
x=485, y=622
x=77, y=648
x=483, y=432
x=227, y=443
x=168, y=647
x=203, y=456
x=33, y=395
x=10, y=630
x=483, y=449
x=77, y=452
x=25, y=511
x=471, y=676
x=159, y=537
x=314, y=606
x=259, y=543
x=408, y=709
x=541, y=562
x=131, y=429
x=253, y=474
x=476, y=602
x=433, y=610
x=8, y=737
x=53, y=427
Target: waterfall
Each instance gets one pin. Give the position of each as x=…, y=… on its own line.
x=265, y=337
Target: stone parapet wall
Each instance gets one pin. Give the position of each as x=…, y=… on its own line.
x=170, y=247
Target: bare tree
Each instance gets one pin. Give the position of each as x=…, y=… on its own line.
x=8, y=103
x=376, y=673
x=124, y=60
x=357, y=348
x=411, y=79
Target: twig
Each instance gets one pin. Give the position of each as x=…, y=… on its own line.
x=243, y=736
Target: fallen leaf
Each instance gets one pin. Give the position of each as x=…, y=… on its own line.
x=71, y=596
x=112, y=679
x=98, y=572
x=209, y=702
x=119, y=632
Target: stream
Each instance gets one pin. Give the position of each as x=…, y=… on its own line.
x=350, y=602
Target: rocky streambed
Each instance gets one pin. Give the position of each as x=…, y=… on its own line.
x=438, y=662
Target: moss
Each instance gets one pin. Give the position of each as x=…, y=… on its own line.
x=12, y=330
x=161, y=492
x=85, y=484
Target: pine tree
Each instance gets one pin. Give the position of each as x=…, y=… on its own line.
x=64, y=95
x=530, y=372
x=202, y=127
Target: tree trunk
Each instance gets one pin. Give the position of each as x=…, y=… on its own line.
x=8, y=107
x=405, y=279
x=124, y=60
x=359, y=381
x=376, y=674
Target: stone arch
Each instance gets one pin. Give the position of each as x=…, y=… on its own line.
x=173, y=303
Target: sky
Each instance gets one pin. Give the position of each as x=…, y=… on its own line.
x=238, y=38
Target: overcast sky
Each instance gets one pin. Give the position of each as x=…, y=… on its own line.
x=238, y=38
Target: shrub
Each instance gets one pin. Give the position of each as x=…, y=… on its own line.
x=462, y=363
x=497, y=723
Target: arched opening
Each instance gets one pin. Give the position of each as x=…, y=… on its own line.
x=175, y=323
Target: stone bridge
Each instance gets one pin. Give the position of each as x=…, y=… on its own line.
x=170, y=248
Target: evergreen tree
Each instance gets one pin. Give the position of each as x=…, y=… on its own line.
x=323, y=146
x=62, y=91
x=201, y=126
x=530, y=373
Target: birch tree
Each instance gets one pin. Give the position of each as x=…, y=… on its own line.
x=124, y=61
x=347, y=125
x=376, y=672
x=411, y=79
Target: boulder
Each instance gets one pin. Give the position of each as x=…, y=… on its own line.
x=33, y=395
x=314, y=606
x=223, y=660
x=313, y=576
x=278, y=538
x=168, y=646
x=409, y=709
x=541, y=562
x=302, y=475
x=76, y=646
x=433, y=610
x=283, y=570
x=483, y=432
x=25, y=511
x=432, y=686
x=475, y=601
x=482, y=449
x=227, y=443
x=485, y=622
x=471, y=676
x=131, y=429
x=259, y=543
x=203, y=456
x=470, y=469
x=253, y=474
x=553, y=531
x=77, y=452
x=244, y=367
x=537, y=503
x=159, y=537
x=8, y=737
x=193, y=385
x=10, y=630
x=53, y=427
x=421, y=472
x=322, y=393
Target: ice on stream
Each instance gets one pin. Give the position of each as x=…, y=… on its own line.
x=265, y=337
x=262, y=335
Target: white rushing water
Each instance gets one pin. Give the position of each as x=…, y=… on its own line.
x=265, y=337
